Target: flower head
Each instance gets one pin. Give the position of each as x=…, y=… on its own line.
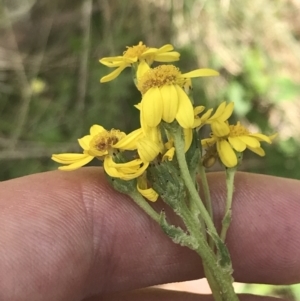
x=137, y=54
x=101, y=144
x=236, y=141
x=163, y=97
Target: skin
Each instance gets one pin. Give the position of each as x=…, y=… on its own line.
x=69, y=236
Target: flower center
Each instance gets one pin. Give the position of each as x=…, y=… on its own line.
x=135, y=51
x=238, y=130
x=105, y=140
x=158, y=77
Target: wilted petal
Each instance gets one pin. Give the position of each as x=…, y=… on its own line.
x=149, y=193
x=169, y=154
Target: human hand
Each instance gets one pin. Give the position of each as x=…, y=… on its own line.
x=71, y=237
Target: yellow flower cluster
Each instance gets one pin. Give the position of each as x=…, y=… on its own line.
x=164, y=100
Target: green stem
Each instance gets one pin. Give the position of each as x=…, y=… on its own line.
x=140, y=201
x=213, y=284
x=207, y=198
x=205, y=185
x=230, y=172
x=188, y=181
x=219, y=279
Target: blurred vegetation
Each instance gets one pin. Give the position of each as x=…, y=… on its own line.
x=49, y=72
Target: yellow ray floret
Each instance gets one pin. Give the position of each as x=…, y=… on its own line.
x=101, y=144
x=137, y=54
x=236, y=141
x=163, y=96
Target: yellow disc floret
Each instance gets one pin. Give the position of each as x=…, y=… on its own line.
x=103, y=142
x=158, y=77
x=135, y=51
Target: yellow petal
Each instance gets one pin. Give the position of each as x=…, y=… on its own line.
x=153, y=51
x=152, y=107
x=198, y=110
x=185, y=113
x=261, y=137
x=147, y=149
x=68, y=158
x=143, y=67
x=84, y=142
x=206, y=115
x=77, y=164
x=250, y=141
x=169, y=154
x=124, y=170
x=208, y=142
x=129, y=142
x=170, y=103
x=114, y=61
x=113, y=74
x=188, y=137
x=219, y=111
x=272, y=137
x=200, y=73
x=227, y=112
x=149, y=193
x=96, y=129
x=134, y=164
x=138, y=106
x=197, y=123
x=117, y=61
x=167, y=57
x=226, y=153
x=220, y=128
x=165, y=48
x=259, y=151
x=237, y=144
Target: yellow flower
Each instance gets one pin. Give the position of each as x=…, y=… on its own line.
x=237, y=140
x=147, y=148
x=218, y=121
x=137, y=54
x=100, y=144
x=163, y=97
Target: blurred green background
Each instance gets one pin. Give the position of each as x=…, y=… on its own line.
x=50, y=93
